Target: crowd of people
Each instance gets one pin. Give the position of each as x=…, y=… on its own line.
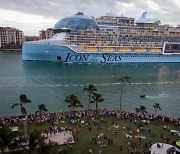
x=86, y=114
x=89, y=117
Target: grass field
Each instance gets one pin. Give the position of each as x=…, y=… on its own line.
x=120, y=141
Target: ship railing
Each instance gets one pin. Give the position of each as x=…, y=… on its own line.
x=75, y=48
x=124, y=50
x=48, y=42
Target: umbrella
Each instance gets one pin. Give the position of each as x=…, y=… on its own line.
x=178, y=143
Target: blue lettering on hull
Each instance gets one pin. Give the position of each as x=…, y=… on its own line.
x=104, y=58
x=76, y=58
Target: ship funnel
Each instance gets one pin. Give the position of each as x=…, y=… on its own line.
x=144, y=14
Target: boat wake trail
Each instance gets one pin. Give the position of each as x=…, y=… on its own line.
x=159, y=96
x=82, y=85
x=83, y=77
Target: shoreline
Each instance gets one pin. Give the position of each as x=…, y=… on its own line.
x=86, y=110
x=10, y=49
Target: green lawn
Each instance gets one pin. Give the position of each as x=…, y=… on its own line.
x=119, y=139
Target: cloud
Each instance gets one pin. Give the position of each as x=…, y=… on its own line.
x=59, y=8
x=29, y=24
x=168, y=11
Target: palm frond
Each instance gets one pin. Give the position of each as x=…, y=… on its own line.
x=128, y=82
x=85, y=89
x=46, y=110
x=42, y=107
x=28, y=101
x=91, y=102
x=73, y=101
x=137, y=110
x=124, y=79
x=24, y=99
x=90, y=88
x=16, y=104
x=67, y=100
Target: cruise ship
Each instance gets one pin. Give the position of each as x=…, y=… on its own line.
x=106, y=39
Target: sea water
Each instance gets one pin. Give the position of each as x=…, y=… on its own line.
x=49, y=83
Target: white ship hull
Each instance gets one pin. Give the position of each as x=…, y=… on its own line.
x=65, y=54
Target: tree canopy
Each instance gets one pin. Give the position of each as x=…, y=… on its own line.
x=73, y=102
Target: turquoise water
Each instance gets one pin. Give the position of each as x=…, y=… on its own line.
x=50, y=83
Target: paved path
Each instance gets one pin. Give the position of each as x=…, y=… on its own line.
x=64, y=137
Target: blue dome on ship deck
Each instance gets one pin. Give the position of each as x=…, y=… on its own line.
x=78, y=21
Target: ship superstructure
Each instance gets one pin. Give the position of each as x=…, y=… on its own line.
x=107, y=39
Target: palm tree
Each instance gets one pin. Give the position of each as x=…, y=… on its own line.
x=34, y=139
x=46, y=148
x=142, y=110
x=73, y=102
x=90, y=89
x=23, y=100
x=137, y=110
x=97, y=98
x=156, y=107
x=123, y=80
x=6, y=137
x=41, y=109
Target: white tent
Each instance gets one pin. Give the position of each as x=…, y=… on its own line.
x=161, y=148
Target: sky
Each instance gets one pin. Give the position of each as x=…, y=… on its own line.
x=30, y=16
